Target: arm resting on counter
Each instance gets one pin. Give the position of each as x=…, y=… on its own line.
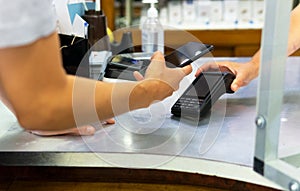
x=42, y=94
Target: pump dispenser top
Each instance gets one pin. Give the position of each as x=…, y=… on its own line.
x=152, y=30
x=152, y=11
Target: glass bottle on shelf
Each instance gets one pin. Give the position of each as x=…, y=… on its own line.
x=152, y=30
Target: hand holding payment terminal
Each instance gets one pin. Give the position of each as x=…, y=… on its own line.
x=200, y=96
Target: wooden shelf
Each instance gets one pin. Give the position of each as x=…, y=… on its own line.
x=98, y=178
x=227, y=43
x=231, y=43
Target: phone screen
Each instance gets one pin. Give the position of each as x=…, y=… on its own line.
x=175, y=59
x=186, y=54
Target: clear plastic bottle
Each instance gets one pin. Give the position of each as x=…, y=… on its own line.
x=152, y=31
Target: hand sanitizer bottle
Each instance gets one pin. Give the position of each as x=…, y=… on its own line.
x=152, y=30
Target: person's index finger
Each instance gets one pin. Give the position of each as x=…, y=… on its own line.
x=138, y=76
x=187, y=69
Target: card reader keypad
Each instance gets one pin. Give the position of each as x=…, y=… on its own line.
x=188, y=103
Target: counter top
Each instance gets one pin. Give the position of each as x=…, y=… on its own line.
x=221, y=144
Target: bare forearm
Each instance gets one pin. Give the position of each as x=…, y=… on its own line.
x=294, y=31
x=95, y=100
x=99, y=100
x=83, y=101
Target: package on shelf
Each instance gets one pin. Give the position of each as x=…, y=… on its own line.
x=245, y=11
x=258, y=11
x=189, y=11
x=175, y=12
x=216, y=11
x=230, y=11
x=203, y=12
x=214, y=14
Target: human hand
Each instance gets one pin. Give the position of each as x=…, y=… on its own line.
x=170, y=77
x=85, y=130
x=244, y=72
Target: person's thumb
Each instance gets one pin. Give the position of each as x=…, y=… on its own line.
x=237, y=83
x=234, y=86
x=138, y=76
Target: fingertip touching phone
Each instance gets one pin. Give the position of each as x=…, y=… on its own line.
x=122, y=65
x=200, y=96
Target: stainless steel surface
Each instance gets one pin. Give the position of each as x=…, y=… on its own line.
x=229, y=137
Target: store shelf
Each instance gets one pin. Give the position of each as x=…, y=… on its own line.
x=229, y=41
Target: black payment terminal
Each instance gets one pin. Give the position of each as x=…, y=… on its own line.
x=200, y=96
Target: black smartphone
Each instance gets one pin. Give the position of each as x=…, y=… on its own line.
x=122, y=65
x=200, y=96
x=187, y=54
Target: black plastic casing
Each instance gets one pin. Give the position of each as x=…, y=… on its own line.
x=215, y=84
